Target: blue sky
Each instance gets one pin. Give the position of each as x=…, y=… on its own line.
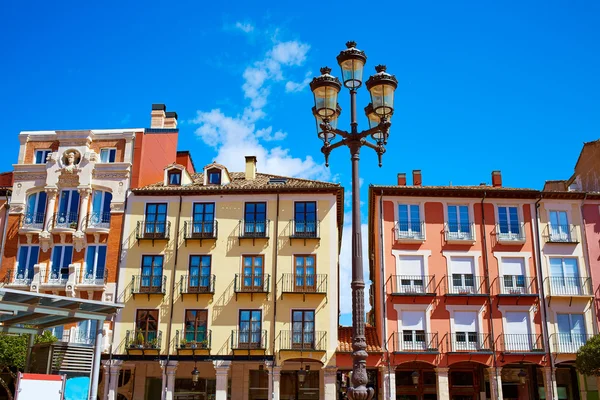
x=482, y=85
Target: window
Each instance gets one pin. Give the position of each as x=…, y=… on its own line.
x=62, y=256
x=465, y=330
x=199, y=274
x=41, y=155
x=303, y=329
x=146, y=324
x=156, y=219
x=571, y=332
x=36, y=210
x=196, y=327
x=152, y=274
x=513, y=276
x=255, y=219
x=305, y=218
x=95, y=265
x=100, y=209
x=559, y=226
x=564, y=276
x=517, y=328
x=413, y=331
x=28, y=257
x=174, y=178
x=253, y=276
x=108, y=155
x=508, y=222
x=459, y=226
x=214, y=176
x=409, y=221
x=203, y=219
x=68, y=209
x=411, y=275
x=463, y=277
x=250, y=328
x=305, y=273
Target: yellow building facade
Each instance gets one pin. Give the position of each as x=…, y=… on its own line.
x=230, y=286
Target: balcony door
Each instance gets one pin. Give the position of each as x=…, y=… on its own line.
x=411, y=275
x=559, y=226
x=564, y=276
x=571, y=332
x=62, y=256
x=196, y=327
x=95, y=261
x=156, y=219
x=250, y=335
x=304, y=274
x=465, y=331
x=412, y=337
x=28, y=257
x=100, y=208
x=459, y=226
x=36, y=209
x=146, y=324
x=303, y=329
x=199, y=280
x=513, y=276
x=463, y=275
x=203, y=219
x=255, y=219
x=305, y=217
x=508, y=222
x=68, y=208
x=409, y=224
x=152, y=274
x=517, y=335
x=253, y=273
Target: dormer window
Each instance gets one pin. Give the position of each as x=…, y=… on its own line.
x=108, y=155
x=175, y=178
x=41, y=155
x=214, y=176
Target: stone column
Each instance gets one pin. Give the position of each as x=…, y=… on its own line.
x=582, y=387
x=550, y=383
x=84, y=193
x=274, y=380
x=388, y=383
x=113, y=387
x=495, y=375
x=222, y=370
x=106, y=371
x=442, y=385
x=330, y=382
x=51, y=193
x=171, y=372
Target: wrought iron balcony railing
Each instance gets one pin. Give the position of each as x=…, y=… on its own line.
x=510, y=234
x=200, y=230
x=193, y=339
x=197, y=284
x=411, y=285
x=415, y=342
x=33, y=221
x=18, y=277
x=517, y=285
x=153, y=230
x=143, y=340
x=303, y=340
x=560, y=234
x=98, y=221
x=568, y=286
x=251, y=283
x=470, y=342
x=65, y=220
x=57, y=278
x=254, y=229
x=302, y=229
x=568, y=342
x=522, y=343
x=410, y=231
x=99, y=278
x=311, y=283
x=248, y=339
x=459, y=232
x=466, y=285
x=155, y=284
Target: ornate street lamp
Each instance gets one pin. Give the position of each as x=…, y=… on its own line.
x=415, y=378
x=195, y=375
x=326, y=111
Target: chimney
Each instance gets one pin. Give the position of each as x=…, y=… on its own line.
x=157, y=116
x=401, y=179
x=417, y=178
x=250, y=168
x=496, y=179
x=171, y=119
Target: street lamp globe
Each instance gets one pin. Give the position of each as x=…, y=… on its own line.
x=327, y=136
x=352, y=61
x=374, y=121
x=325, y=87
x=195, y=375
x=382, y=86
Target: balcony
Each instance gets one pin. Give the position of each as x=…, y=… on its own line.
x=193, y=342
x=253, y=230
x=522, y=343
x=18, y=278
x=409, y=232
x=32, y=222
x=568, y=286
x=306, y=230
x=198, y=285
x=251, y=284
x=55, y=279
x=143, y=341
x=153, y=231
x=560, y=234
x=304, y=284
x=65, y=221
x=97, y=222
x=145, y=284
x=466, y=285
x=471, y=342
x=510, y=235
x=459, y=233
x=89, y=281
x=200, y=230
x=248, y=340
x=568, y=343
x=303, y=340
x=412, y=285
x=517, y=285
x=415, y=342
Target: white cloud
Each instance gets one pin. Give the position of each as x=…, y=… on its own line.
x=346, y=266
x=245, y=27
x=267, y=135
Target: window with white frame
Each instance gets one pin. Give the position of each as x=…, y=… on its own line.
x=108, y=155
x=559, y=226
x=412, y=337
x=462, y=275
x=571, y=332
x=411, y=275
x=41, y=155
x=564, y=276
x=62, y=256
x=100, y=217
x=509, y=227
x=513, y=280
x=518, y=335
x=95, y=265
x=459, y=224
x=409, y=222
x=28, y=257
x=36, y=210
x=465, y=335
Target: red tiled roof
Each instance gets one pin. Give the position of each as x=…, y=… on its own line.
x=345, y=340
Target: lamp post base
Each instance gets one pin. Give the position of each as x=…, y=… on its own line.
x=360, y=393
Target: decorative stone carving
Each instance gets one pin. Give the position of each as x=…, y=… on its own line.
x=45, y=241
x=17, y=208
x=117, y=207
x=68, y=179
x=79, y=240
x=92, y=156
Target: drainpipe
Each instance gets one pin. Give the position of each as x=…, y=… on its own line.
x=487, y=273
x=384, y=308
x=274, y=362
x=542, y=293
x=586, y=257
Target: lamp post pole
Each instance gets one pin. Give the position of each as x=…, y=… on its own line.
x=326, y=112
